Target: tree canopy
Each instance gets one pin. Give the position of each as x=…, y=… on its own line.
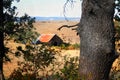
x=19, y=29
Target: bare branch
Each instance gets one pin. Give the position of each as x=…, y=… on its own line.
x=68, y=26
x=65, y=5
x=74, y=28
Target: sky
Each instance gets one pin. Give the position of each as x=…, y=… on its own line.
x=48, y=8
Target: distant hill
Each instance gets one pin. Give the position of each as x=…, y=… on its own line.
x=57, y=18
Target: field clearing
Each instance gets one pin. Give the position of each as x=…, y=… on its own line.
x=10, y=66
x=48, y=27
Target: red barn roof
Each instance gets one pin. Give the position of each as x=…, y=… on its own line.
x=46, y=37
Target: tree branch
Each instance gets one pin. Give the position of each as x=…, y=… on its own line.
x=68, y=26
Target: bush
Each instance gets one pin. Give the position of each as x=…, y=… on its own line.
x=65, y=46
x=68, y=46
x=76, y=46
x=29, y=69
x=69, y=71
x=17, y=75
x=35, y=58
x=115, y=71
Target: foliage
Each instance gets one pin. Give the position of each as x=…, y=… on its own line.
x=70, y=69
x=20, y=29
x=115, y=71
x=13, y=25
x=68, y=72
x=68, y=46
x=76, y=46
x=65, y=45
x=17, y=75
x=36, y=58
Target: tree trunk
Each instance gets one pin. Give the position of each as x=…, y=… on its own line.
x=96, y=31
x=2, y=50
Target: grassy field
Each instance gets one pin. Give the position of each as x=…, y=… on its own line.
x=45, y=27
x=48, y=27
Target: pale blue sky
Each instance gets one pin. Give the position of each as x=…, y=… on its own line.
x=48, y=8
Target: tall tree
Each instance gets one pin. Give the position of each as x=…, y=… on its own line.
x=13, y=27
x=97, y=39
x=96, y=31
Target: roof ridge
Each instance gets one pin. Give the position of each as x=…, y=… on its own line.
x=46, y=37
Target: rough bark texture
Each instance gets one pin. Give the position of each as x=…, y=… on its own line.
x=2, y=52
x=96, y=31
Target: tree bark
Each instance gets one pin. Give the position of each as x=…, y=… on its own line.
x=2, y=50
x=96, y=31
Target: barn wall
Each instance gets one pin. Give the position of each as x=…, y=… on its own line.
x=56, y=41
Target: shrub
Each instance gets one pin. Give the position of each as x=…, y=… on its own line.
x=115, y=71
x=69, y=71
x=35, y=58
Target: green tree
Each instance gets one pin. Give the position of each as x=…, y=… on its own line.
x=36, y=58
x=20, y=29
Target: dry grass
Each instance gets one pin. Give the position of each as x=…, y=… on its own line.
x=48, y=27
x=43, y=27
x=10, y=66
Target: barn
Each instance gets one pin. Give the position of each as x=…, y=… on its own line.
x=50, y=39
